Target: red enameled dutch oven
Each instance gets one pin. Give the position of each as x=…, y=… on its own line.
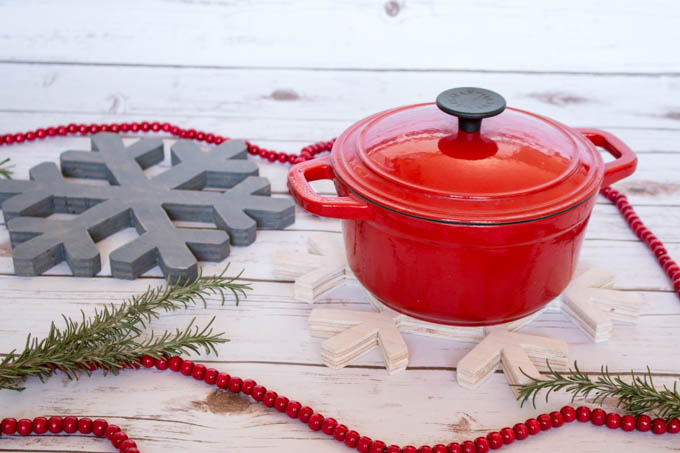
x=454, y=221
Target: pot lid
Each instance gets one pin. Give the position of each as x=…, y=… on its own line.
x=467, y=159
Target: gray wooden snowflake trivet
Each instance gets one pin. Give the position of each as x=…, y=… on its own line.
x=133, y=200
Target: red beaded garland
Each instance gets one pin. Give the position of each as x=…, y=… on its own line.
x=316, y=421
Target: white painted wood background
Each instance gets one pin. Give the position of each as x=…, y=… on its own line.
x=285, y=73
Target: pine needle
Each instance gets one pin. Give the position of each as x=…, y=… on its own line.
x=638, y=396
x=5, y=170
x=111, y=338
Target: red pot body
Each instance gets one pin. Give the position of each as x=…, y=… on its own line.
x=486, y=256
x=463, y=274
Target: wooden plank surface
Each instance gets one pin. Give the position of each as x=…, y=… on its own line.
x=284, y=74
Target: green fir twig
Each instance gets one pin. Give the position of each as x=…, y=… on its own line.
x=638, y=396
x=5, y=169
x=112, y=338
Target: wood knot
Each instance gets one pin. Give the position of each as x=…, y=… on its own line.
x=222, y=402
x=284, y=95
x=392, y=8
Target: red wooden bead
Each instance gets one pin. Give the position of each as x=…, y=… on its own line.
x=269, y=398
x=62, y=131
x=293, y=409
x=187, y=367
x=200, y=136
x=673, y=426
x=145, y=126
x=339, y=432
x=454, y=447
x=41, y=133
x=305, y=413
x=85, y=425
x=613, y=421
x=556, y=419
x=111, y=430
x=253, y=150
x=439, y=448
x=219, y=140
x=235, y=384
x=51, y=131
x=597, y=417
x=94, y=128
x=272, y=156
x=263, y=153
x=222, y=380
x=484, y=444
x=19, y=138
x=155, y=126
x=40, y=425
x=351, y=439
x=118, y=439
x=364, y=444
x=198, y=372
x=328, y=425
x=209, y=138
x=393, y=449
x=9, y=425
x=410, y=449
x=643, y=423
x=545, y=422
x=508, y=435
x=211, y=376
x=174, y=130
x=569, y=414
x=25, y=427
x=191, y=134
x=378, y=446
x=658, y=426
x=70, y=425
x=469, y=447
x=127, y=445
x=175, y=363
x=248, y=385
x=258, y=392
x=583, y=414
x=281, y=403
x=292, y=159
x=99, y=427
x=521, y=431
x=54, y=425
x=83, y=129
x=533, y=426
x=8, y=139
x=30, y=136
x=425, y=449
x=134, y=127
x=627, y=423
x=147, y=361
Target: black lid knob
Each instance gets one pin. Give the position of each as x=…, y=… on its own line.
x=470, y=105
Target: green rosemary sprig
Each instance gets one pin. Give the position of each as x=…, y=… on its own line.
x=5, y=170
x=112, y=338
x=635, y=397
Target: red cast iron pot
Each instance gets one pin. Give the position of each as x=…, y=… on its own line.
x=457, y=222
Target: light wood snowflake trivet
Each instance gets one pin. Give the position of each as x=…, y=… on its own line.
x=588, y=301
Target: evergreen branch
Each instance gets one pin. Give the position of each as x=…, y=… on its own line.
x=638, y=396
x=110, y=339
x=5, y=170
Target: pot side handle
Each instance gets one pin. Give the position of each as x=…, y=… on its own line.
x=626, y=160
x=348, y=207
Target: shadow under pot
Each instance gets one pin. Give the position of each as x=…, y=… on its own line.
x=455, y=220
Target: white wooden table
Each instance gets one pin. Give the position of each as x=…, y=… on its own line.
x=286, y=73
